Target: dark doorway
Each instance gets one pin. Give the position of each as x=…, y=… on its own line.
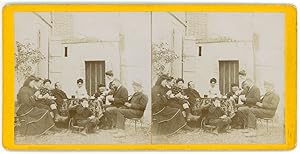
x=228, y=74
x=94, y=75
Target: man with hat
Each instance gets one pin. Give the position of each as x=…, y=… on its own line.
x=116, y=100
x=213, y=90
x=109, y=75
x=242, y=77
x=134, y=108
x=265, y=108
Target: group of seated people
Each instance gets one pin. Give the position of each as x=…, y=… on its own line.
x=41, y=106
x=172, y=106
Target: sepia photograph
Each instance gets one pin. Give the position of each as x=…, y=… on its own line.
x=82, y=77
x=218, y=78
x=149, y=79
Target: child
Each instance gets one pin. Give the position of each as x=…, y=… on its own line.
x=217, y=117
x=84, y=117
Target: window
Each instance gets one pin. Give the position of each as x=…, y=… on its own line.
x=66, y=51
x=200, y=51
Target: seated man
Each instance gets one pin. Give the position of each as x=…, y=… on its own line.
x=83, y=116
x=192, y=93
x=233, y=99
x=117, y=100
x=248, y=98
x=251, y=93
x=266, y=108
x=178, y=99
x=242, y=77
x=134, y=108
x=234, y=93
x=109, y=75
x=100, y=94
x=59, y=94
x=46, y=100
x=217, y=117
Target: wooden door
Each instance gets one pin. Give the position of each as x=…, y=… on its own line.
x=94, y=75
x=228, y=74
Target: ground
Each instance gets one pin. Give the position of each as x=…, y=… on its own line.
x=141, y=136
x=275, y=135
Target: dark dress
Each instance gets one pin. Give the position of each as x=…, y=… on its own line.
x=60, y=96
x=166, y=120
x=81, y=118
x=193, y=95
x=213, y=118
x=177, y=102
x=36, y=120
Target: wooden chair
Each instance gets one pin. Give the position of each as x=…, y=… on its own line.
x=135, y=121
x=267, y=120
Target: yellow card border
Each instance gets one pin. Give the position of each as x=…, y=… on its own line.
x=290, y=71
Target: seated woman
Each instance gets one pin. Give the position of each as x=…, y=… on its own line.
x=80, y=91
x=37, y=121
x=166, y=120
x=134, y=108
x=217, y=117
x=83, y=116
x=213, y=90
x=46, y=100
x=60, y=95
x=178, y=99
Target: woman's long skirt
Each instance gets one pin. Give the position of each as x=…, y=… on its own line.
x=167, y=121
x=36, y=121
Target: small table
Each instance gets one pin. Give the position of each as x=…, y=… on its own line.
x=227, y=105
x=94, y=104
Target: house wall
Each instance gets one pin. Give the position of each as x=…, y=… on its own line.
x=201, y=69
x=270, y=55
x=68, y=69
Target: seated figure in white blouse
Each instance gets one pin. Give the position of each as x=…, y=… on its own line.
x=213, y=91
x=80, y=91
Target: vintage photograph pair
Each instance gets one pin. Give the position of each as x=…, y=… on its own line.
x=150, y=78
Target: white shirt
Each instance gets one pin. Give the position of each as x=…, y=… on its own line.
x=213, y=92
x=81, y=93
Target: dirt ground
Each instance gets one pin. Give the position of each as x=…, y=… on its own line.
x=275, y=135
x=142, y=136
